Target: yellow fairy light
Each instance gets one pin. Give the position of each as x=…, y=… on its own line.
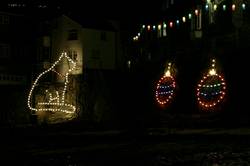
x=167, y=73
x=159, y=27
x=196, y=12
x=212, y=71
x=149, y=27
x=184, y=19
x=56, y=103
x=233, y=7
x=215, y=7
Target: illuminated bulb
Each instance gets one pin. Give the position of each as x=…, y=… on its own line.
x=196, y=12
x=215, y=7
x=154, y=27
x=143, y=26
x=159, y=27
x=148, y=27
x=212, y=72
x=177, y=22
x=183, y=19
x=233, y=7
x=171, y=24
x=243, y=6
x=206, y=7
x=167, y=73
x=224, y=7
x=164, y=25
x=189, y=15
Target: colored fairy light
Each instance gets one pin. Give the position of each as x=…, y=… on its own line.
x=243, y=6
x=206, y=7
x=183, y=19
x=224, y=7
x=159, y=27
x=148, y=27
x=196, y=12
x=170, y=24
x=233, y=7
x=164, y=25
x=154, y=27
x=215, y=7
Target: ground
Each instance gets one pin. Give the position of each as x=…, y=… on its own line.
x=152, y=146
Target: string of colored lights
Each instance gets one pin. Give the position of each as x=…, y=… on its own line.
x=57, y=103
x=171, y=23
x=210, y=94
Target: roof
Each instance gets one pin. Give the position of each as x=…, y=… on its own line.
x=93, y=23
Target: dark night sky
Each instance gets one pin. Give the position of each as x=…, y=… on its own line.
x=129, y=13
x=127, y=10
x=122, y=10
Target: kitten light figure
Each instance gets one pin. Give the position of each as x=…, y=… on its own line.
x=57, y=102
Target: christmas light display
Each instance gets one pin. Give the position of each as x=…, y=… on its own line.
x=56, y=103
x=165, y=88
x=211, y=89
x=209, y=7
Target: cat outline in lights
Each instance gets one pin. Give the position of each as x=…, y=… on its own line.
x=53, y=103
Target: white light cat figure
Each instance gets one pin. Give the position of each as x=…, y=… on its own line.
x=54, y=103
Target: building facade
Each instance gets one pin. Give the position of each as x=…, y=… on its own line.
x=16, y=52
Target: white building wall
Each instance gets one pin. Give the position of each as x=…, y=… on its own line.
x=95, y=49
x=60, y=41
